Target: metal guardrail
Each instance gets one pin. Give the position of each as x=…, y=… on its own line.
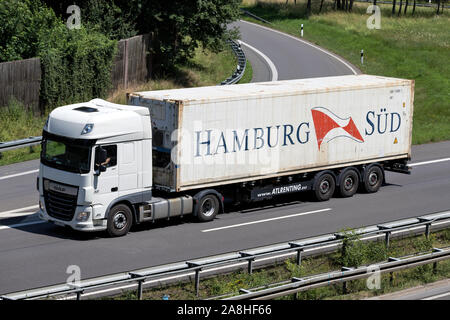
x=248, y=13
x=27, y=142
x=342, y=276
x=22, y=143
x=242, y=63
x=209, y=265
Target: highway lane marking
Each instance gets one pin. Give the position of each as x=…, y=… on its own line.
x=19, y=174
x=428, y=162
x=307, y=43
x=272, y=67
x=267, y=220
x=437, y=296
x=20, y=225
x=19, y=212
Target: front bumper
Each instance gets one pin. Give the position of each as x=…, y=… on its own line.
x=89, y=225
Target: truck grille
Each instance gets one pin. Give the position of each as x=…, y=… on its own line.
x=60, y=205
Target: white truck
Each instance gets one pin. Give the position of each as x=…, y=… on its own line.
x=189, y=151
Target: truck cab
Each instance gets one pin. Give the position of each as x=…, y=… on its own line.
x=91, y=161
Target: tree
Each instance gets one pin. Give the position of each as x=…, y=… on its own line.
x=21, y=23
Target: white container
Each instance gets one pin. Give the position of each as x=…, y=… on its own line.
x=313, y=124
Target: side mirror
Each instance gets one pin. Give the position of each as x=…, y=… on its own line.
x=102, y=168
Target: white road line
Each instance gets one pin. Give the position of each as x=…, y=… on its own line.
x=437, y=296
x=428, y=162
x=20, y=209
x=307, y=43
x=267, y=220
x=272, y=67
x=19, y=174
x=20, y=225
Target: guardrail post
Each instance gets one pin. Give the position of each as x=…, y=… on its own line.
x=391, y=274
x=140, y=283
x=197, y=276
x=387, y=238
x=79, y=295
x=299, y=252
x=295, y=279
x=344, y=284
x=427, y=230
x=435, y=263
x=139, y=290
x=250, y=259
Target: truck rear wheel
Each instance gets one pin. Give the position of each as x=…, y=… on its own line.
x=119, y=220
x=207, y=207
x=348, y=183
x=373, y=178
x=324, y=187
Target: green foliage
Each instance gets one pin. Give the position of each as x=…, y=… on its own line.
x=21, y=23
x=356, y=252
x=180, y=26
x=112, y=18
x=76, y=65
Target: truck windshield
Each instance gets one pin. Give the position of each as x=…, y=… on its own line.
x=66, y=156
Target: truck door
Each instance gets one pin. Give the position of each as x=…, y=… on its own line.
x=128, y=168
x=106, y=183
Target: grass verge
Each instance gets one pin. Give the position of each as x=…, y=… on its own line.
x=358, y=254
x=205, y=68
x=413, y=47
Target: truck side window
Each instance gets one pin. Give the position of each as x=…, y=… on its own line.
x=111, y=156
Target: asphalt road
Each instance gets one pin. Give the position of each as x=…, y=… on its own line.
x=439, y=290
x=292, y=57
x=34, y=254
x=38, y=254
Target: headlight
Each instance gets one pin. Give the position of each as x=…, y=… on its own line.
x=83, y=216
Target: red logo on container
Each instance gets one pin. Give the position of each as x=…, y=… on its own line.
x=329, y=126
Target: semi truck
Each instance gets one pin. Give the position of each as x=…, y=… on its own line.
x=194, y=151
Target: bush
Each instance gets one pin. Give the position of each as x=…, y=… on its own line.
x=21, y=22
x=76, y=65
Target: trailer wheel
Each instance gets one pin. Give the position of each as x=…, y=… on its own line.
x=348, y=183
x=207, y=207
x=119, y=220
x=324, y=187
x=373, y=178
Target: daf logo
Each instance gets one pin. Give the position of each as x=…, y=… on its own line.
x=59, y=188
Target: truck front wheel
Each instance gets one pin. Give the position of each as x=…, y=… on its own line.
x=119, y=220
x=207, y=207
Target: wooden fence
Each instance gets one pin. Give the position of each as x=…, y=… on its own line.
x=21, y=79
x=131, y=64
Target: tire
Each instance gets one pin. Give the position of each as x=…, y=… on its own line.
x=119, y=220
x=207, y=208
x=348, y=183
x=373, y=179
x=324, y=187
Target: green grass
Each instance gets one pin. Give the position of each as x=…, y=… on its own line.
x=365, y=253
x=205, y=68
x=248, y=74
x=412, y=47
x=17, y=123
